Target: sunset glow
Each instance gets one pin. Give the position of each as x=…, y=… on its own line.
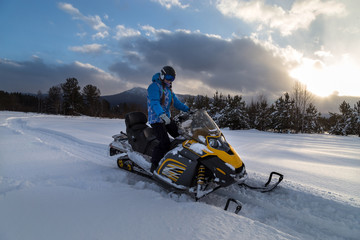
x=324, y=80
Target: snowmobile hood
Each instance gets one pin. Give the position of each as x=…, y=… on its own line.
x=228, y=155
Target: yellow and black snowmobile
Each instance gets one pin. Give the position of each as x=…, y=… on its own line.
x=200, y=160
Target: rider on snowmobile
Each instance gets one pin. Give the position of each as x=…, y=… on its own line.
x=160, y=97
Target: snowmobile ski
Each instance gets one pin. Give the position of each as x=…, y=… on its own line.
x=266, y=187
x=237, y=202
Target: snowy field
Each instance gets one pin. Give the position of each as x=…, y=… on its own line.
x=58, y=182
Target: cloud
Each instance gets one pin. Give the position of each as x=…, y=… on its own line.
x=171, y=3
x=122, y=31
x=31, y=76
x=152, y=32
x=101, y=35
x=300, y=16
x=94, y=22
x=237, y=64
x=90, y=48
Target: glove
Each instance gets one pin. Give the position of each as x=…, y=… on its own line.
x=165, y=118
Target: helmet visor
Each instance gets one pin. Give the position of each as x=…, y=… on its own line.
x=169, y=77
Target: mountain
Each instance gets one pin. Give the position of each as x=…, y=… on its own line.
x=133, y=96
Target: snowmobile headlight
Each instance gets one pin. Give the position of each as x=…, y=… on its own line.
x=214, y=143
x=219, y=143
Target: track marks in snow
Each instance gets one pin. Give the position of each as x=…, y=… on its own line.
x=8, y=185
x=292, y=211
x=291, y=208
x=74, y=147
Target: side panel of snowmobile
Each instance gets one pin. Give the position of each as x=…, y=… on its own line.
x=225, y=165
x=177, y=169
x=224, y=175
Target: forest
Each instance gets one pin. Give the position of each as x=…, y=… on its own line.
x=291, y=113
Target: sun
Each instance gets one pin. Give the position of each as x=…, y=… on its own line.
x=323, y=80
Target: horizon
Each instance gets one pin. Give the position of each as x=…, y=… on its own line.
x=324, y=105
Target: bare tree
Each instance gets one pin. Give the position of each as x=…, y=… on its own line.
x=302, y=98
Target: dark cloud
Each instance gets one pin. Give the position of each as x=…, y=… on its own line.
x=236, y=65
x=32, y=76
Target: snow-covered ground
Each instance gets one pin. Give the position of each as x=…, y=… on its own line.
x=58, y=182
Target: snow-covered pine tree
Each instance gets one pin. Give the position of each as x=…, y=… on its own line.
x=282, y=114
x=189, y=101
x=201, y=102
x=311, y=120
x=217, y=107
x=235, y=115
x=259, y=114
x=252, y=111
x=343, y=125
x=356, y=116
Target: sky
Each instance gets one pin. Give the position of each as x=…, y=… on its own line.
x=252, y=48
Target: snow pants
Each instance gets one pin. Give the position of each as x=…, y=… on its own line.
x=161, y=132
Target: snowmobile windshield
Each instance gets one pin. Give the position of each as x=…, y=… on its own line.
x=199, y=125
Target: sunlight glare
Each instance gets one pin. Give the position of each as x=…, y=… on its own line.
x=342, y=77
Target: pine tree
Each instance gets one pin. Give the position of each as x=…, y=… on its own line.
x=259, y=114
x=252, y=111
x=356, y=120
x=40, y=101
x=92, y=102
x=53, y=101
x=282, y=115
x=347, y=117
x=344, y=120
x=189, y=101
x=72, y=99
x=234, y=115
x=201, y=102
x=311, y=120
x=217, y=107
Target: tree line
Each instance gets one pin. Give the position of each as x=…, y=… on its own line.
x=67, y=99
x=293, y=113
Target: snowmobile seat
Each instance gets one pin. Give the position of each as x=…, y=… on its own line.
x=140, y=135
x=136, y=120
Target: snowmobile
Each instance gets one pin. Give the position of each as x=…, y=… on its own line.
x=199, y=162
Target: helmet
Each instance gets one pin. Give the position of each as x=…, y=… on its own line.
x=168, y=73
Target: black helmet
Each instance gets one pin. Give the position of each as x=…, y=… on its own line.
x=168, y=73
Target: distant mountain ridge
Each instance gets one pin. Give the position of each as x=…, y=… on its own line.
x=138, y=95
x=135, y=95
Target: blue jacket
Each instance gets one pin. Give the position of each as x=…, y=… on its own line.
x=154, y=94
